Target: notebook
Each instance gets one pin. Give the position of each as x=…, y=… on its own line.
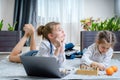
x=41, y=66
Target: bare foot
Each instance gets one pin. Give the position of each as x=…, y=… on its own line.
x=29, y=29
x=26, y=32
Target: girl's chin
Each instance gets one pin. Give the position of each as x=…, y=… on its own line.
x=102, y=52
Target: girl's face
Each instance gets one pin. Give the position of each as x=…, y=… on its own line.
x=103, y=47
x=58, y=32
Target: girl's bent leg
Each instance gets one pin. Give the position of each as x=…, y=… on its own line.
x=14, y=55
x=29, y=31
x=30, y=53
x=32, y=40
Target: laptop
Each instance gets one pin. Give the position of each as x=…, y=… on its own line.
x=41, y=66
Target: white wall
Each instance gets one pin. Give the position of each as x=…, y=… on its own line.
x=6, y=12
x=99, y=8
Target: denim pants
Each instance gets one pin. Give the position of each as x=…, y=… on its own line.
x=31, y=53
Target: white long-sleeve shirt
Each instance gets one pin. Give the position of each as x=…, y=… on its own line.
x=45, y=50
x=92, y=54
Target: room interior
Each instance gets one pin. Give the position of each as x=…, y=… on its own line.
x=102, y=9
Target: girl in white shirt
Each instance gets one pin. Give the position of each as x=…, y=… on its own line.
x=99, y=53
x=53, y=41
x=51, y=46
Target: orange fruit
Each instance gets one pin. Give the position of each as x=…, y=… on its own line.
x=109, y=71
x=115, y=68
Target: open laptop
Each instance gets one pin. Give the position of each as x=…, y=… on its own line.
x=41, y=66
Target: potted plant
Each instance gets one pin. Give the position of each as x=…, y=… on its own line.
x=8, y=39
x=88, y=36
x=1, y=24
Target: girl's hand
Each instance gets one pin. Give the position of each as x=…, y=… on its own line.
x=98, y=65
x=58, y=43
x=83, y=66
x=101, y=67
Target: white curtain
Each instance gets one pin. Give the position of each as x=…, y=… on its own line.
x=67, y=12
x=117, y=7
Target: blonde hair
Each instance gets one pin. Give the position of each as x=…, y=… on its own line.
x=45, y=30
x=106, y=36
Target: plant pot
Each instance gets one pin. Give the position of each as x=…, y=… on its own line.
x=88, y=37
x=8, y=39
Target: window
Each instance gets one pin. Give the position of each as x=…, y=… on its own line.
x=67, y=12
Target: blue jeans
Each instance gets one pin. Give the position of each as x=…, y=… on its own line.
x=31, y=53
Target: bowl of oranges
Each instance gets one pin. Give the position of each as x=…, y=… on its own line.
x=111, y=70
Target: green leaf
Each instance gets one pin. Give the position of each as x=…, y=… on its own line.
x=111, y=24
x=10, y=27
x=1, y=24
